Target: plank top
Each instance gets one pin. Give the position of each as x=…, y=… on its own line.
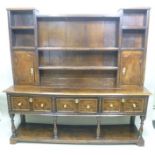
x=73, y=91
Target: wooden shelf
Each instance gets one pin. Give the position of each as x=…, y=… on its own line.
x=78, y=67
x=22, y=27
x=136, y=28
x=110, y=134
x=133, y=49
x=78, y=48
x=23, y=48
x=78, y=16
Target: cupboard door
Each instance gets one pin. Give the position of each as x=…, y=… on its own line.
x=23, y=67
x=131, y=68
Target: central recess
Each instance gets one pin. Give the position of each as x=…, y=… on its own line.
x=78, y=52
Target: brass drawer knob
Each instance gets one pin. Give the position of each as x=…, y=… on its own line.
x=123, y=100
x=30, y=99
x=19, y=104
x=76, y=101
x=134, y=105
x=42, y=105
x=65, y=105
x=88, y=106
x=111, y=105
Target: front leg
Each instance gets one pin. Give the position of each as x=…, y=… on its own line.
x=140, y=138
x=13, y=128
x=22, y=118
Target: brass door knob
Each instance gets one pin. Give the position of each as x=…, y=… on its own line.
x=124, y=70
x=32, y=71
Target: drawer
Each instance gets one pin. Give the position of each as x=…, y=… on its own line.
x=41, y=103
x=111, y=105
x=88, y=105
x=66, y=105
x=133, y=105
x=82, y=105
x=20, y=103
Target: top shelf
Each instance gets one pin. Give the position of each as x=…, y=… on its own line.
x=78, y=48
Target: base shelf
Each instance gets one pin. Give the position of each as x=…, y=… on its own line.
x=73, y=134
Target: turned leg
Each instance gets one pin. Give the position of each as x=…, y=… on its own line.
x=140, y=138
x=98, y=128
x=13, y=128
x=22, y=118
x=132, y=120
x=55, y=128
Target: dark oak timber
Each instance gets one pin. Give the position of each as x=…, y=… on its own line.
x=83, y=66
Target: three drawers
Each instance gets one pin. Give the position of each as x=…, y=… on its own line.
x=78, y=105
x=81, y=105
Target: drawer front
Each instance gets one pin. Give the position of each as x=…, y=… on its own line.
x=66, y=105
x=111, y=105
x=41, y=103
x=88, y=105
x=133, y=105
x=19, y=103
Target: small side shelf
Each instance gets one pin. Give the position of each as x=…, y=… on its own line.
x=77, y=68
x=132, y=49
x=136, y=28
x=22, y=27
x=23, y=48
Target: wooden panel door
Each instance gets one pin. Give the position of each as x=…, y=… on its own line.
x=23, y=67
x=131, y=68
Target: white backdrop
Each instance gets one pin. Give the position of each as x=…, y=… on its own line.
x=75, y=7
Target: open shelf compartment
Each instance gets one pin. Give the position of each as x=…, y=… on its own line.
x=110, y=134
x=22, y=18
x=132, y=38
x=78, y=59
x=23, y=38
x=78, y=32
x=134, y=18
x=78, y=78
